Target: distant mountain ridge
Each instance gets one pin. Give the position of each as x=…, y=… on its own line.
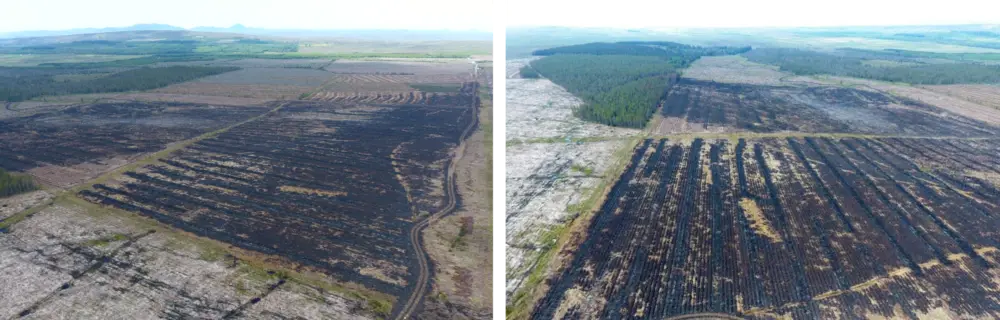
x=376, y=34
x=49, y=33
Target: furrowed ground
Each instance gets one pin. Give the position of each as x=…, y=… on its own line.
x=275, y=185
x=801, y=227
x=69, y=258
x=755, y=193
x=77, y=143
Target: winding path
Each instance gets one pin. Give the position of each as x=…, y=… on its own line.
x=421, y=287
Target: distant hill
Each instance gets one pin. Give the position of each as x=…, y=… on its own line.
x=138, y=35
x=49, y=33
x=369, y=34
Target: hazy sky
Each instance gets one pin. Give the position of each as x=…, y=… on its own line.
x=18, y=15
x=748, y=13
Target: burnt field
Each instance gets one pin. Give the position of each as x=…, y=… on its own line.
x=708, y=105
x=88, y=137
x=333, y=186
x=806, y=228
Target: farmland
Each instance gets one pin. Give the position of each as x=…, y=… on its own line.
x=269, y=187
x=280, y=193
x=18, y=60
x=856, y=220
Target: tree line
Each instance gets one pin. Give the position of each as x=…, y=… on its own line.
x=11, y=184
x=917, y=56
x=805, y=62
x=678, y=54
x=620, y=83
x=25, y=87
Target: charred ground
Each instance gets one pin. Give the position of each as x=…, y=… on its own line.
x=801, y=227
x=51, y=144
x=332, y=186
x=730, y=107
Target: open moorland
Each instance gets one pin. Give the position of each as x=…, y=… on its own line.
x=862, y=185
x=226, y=176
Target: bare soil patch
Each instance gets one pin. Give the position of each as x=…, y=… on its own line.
x=514, y=67
x=540, y=109
x=256, y=92
x=544, y=182
x=66, y=262
x=14, y=204
x=982, y=94
x=734, y=69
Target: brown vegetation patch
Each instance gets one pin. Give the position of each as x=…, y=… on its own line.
x=300, y=190
x=67, y=176
x=758, y=221
x=982, y=94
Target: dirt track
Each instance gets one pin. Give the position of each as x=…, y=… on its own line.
x=417, y=297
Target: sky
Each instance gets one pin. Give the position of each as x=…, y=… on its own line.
x=748, y=13
x=21, y=15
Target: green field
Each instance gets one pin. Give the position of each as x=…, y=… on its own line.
x=32, y=60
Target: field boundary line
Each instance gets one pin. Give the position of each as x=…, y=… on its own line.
x=731, y=136
x=755, y=135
